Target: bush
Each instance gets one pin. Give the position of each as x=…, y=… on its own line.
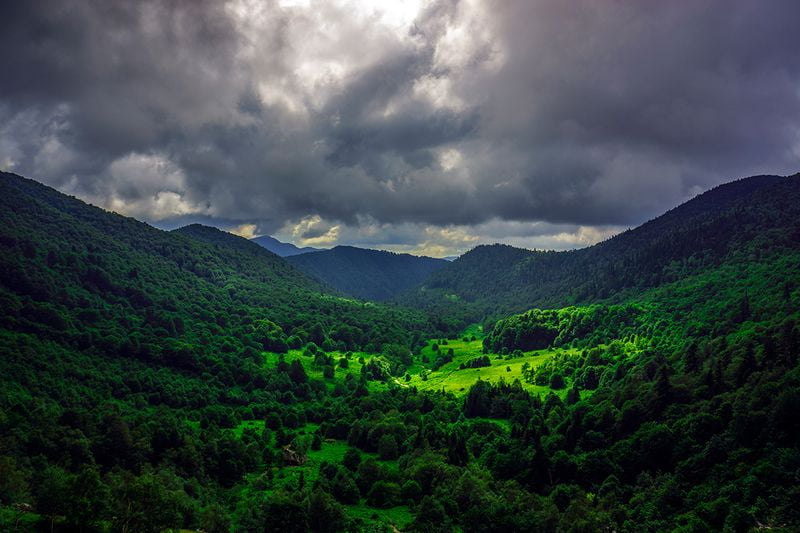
x=383, y=494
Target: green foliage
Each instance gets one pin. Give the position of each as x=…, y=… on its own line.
x=154, y=381
x=368, y=274
x=735, y=222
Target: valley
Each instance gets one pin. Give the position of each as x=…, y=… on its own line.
x=160, y=381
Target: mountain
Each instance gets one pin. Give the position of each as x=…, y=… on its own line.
x=139, y=349
x=283, y=249
x=716, y=227
x=367, y=274
x=87, y=269
x=192, y=380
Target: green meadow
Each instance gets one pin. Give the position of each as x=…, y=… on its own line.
x=451, y=378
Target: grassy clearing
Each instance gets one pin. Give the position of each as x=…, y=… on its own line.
x=399, y=517
x=288, y=477
x=333, y=451
x=257, y=425
x=451, y=378
x=316, y=371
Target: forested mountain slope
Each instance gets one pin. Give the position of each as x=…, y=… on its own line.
x=367, y=274
x=124, y=348
x=701, y=234
x=153, y=381
x=246, y=257
x=680, y=399
x=95, y=268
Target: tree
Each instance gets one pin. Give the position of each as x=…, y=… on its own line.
x=411, y=492
x=387, y=447
x=50, y=492
x=14, y=481
x=214, y=519
x=457, y=448
x=477, y=401
x=351, y=460
x=283, y=512
x=297, y=373
x=431, y=516
x=573, y=395
x=383, y=494
x=662, y=391
x=369, y=472
x=344, y=488
x=557, y=381
x=145, y=503
x=691, y=358
x=324, y=513
x=273, y=421
x=86, y=498
x=747, y=365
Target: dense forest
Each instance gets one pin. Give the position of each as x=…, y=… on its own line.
x=154, y=381
x=367, y=274
x=720, y=226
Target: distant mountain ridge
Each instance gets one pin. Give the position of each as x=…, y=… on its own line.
x=703, y=233
x=365, y=273
x=283, y=249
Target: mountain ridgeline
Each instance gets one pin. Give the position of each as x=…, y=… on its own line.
x=367, y=274
x=283, y=249
x=154, y=381
x=736, y=222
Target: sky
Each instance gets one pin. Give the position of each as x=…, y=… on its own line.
x=419, y=126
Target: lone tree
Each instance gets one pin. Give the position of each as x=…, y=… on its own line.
x=297, y=373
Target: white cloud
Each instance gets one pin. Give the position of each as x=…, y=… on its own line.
x=248, y=231
x=442, y=241
x=148, y=186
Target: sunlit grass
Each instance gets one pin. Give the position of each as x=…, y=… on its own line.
x=451, y=378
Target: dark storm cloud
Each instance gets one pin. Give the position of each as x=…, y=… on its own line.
x=574, y=113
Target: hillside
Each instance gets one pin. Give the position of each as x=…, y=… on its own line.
x=704, y=233
x=283, y=249
x=76, y=260
x=367, y=274
x=131, y=343
x=153, y=381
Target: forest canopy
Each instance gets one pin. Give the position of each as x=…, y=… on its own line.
x=154, y=380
